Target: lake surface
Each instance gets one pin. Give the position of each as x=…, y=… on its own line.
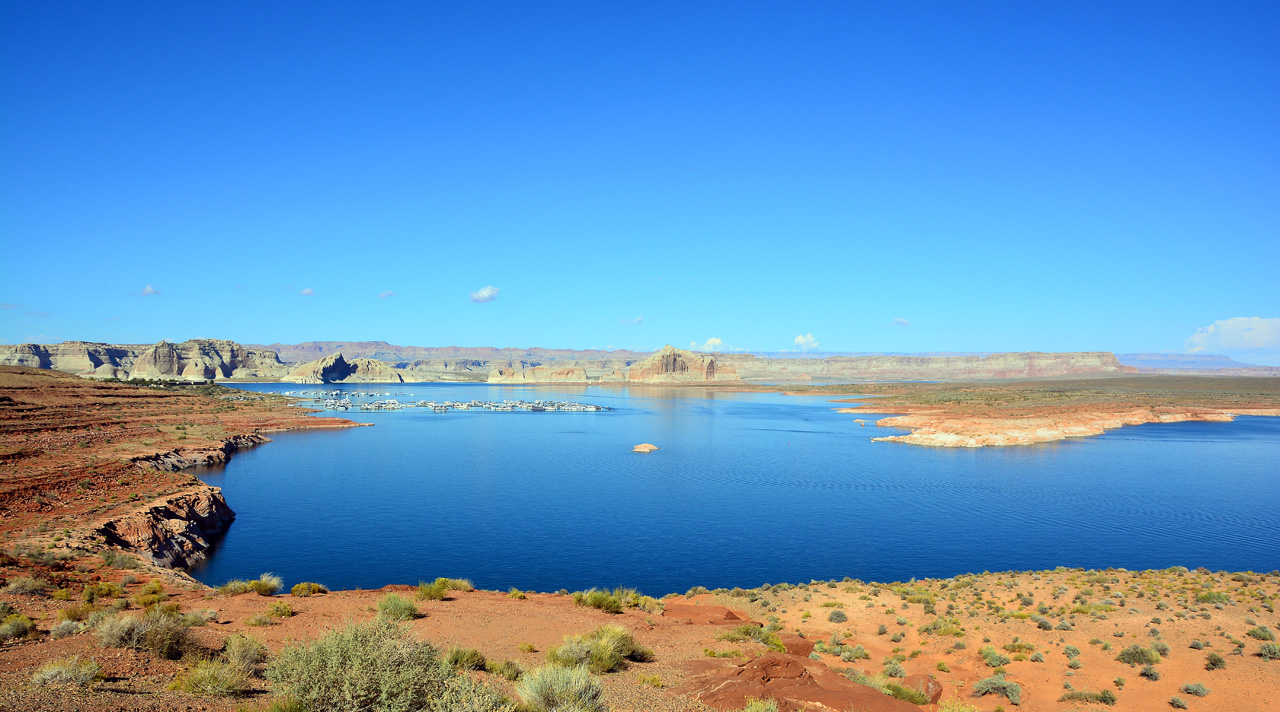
x=747, y=488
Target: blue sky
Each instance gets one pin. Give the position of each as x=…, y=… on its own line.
x=889, y=177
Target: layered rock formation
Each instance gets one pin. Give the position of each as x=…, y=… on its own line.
x=174, y=532
x=195, y=359
x=927, y=368
x=336, y=369
x=668, y=365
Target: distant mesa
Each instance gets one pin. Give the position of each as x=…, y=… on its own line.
x=380, y=362
x=645, y=448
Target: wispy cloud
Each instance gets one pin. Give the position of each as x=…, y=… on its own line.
x=485, y=294
x=805, y=342
x=146, y=291
x=1238, y=335
x=6, y=306
x=386, y=293
x=901, y=322
x=633, y=322
x=712, y=344
x=308, y=292
x=39, y=314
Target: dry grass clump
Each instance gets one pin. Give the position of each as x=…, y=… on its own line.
x=465, y=659
x=25, y=585
x=67, y=671
x=439, y=589
x=307, y=588
x=615, y=601
x=553, y=688
x=213, y=677
x=604, y=649
x=997, y=685
x=394, y=607
x=267, y=584
x=244, y=652
x=163, y=635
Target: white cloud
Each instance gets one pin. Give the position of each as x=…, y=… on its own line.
x=633, y=322
x=712, y=344
x=1239, y=335
x=804, y=342
x=308, y=292
x=901, y=322
x=146, y=291
x=485, y=294
x=7, y=306
x=386, y=293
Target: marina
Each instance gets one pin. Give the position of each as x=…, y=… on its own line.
x=343, y=401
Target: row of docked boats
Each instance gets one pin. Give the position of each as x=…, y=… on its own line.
x=505, y=406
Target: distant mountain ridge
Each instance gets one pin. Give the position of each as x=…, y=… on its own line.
x=1195, y=364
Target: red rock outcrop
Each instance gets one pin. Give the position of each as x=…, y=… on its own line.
x=672, y=365
x=173, y=532
x=796, y=682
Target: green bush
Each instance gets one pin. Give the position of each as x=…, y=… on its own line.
x=1149, y=672
x=509, y=669
x=993, y=657
x=1194, y=688
x=25, y=585
x=1261, y=633
x=997, y=685
x=1214, y=662
x=280, y=609
x=431, y=591
x=213, y=677
x=465, y=659
x=765, y=636
x=598, y=599
x=1106, y=697
x=68, y=671
x=64, y=629
x=376, y=666
x=1137, y=655
x=1177, y=703
x=837, y=616
x=605, y=649
x=553, y=688
x=307, y=588
x=105, y=589
x=754, y=705
x=395, y=607
x=259, y=620
x=118, y=560
x=906, y=694
x=1269, y=651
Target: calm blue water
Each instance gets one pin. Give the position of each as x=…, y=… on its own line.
x=747, y=489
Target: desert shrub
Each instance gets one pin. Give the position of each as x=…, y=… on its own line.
x=1214, y=662
x=746, y=631
x=882, y=629
x=838, y=616
x=1161, y=648
x=267, y=584
x=280, y=609
x=954, y=705
x=992, y=657
x=755, y=705
x=199, y=618
x=118, y=560
x=1194, y=688
x=943, y=626
x=942, y=667
x=465, y=659
x=244, y=652
x=431, y=591
x=258, y=620
x=1177, y=703
x=857, y=652
x=509, y=669
x=1037, y=657
x=94, y=591
x=213, y=677
x=1106, y=697
x=64, y=629
x=907, y=694
x=307, y=588
x=1261, y=633
x=68, y=671
x=1137, y=655
x=152, y=586
x=997, y=685
x=163, y=635
x=598, y=599
x=1150, y=673
x=553, y=688
x=394, y=607
x=516, y=593
x=375, y=666
x=1269, y=651
x=1197, y=645
x=25, y=585
x=75, y=613
x=604, y=649
x=16, y=625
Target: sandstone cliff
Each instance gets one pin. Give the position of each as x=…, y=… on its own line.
x=336, y=369
x=669, y=365
x=928, y=368
x=173, y=532
x=195, y=359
